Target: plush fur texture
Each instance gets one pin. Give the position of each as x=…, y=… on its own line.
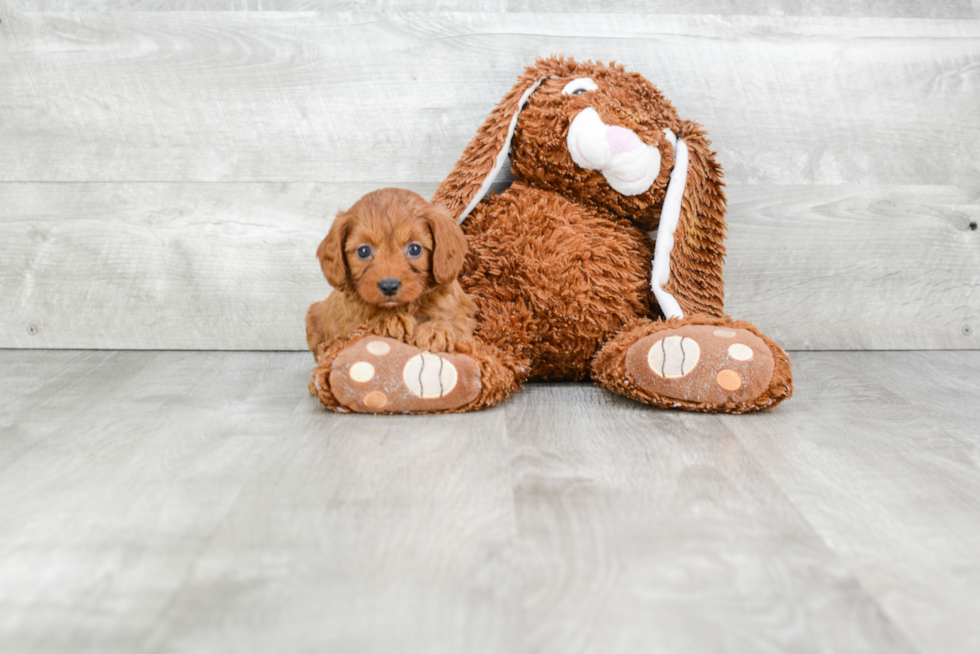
x=412, y=248
x=560, y=263
x=552, y=280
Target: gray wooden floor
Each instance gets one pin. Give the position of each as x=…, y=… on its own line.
x=175, y=501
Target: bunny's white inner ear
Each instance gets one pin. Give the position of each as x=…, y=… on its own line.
x=501, y=156
x=670, y=215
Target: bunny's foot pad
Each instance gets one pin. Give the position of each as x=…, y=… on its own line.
x=702, y=364
x=382, y=375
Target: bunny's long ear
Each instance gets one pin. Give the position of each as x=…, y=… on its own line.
x=690, y=248
x=483, y=158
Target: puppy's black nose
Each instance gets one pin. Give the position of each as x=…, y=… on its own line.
x=389, y=286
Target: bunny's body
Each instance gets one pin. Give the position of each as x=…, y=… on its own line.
x=540, y=274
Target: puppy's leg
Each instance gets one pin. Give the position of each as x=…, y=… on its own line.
x=400, y=326
x=437, y=336
x=315, y=327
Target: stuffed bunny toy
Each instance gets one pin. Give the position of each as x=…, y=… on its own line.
x=602, y=261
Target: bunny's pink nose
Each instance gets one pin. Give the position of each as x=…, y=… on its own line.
x=621, y=140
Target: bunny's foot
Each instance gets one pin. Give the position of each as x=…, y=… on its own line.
x=697, y=363
x=364, y=373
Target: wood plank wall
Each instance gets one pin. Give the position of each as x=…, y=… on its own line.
x=166, y=175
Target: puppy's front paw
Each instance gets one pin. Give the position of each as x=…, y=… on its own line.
x=396, y=325
x=435, y=336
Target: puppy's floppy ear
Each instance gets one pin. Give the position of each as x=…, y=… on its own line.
x=448, y=244
x=331, y=250
x=483, y=158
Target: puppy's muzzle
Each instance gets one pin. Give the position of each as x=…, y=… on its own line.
x=389, y=286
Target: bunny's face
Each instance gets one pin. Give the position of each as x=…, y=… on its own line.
x=596, y=134
x=600, y=135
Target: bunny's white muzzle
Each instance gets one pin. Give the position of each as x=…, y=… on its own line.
x=629, y=165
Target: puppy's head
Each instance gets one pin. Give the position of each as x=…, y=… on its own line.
x=391, y=247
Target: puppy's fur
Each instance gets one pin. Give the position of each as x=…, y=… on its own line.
x=407, y=240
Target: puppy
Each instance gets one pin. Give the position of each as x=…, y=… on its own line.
x=393, y=259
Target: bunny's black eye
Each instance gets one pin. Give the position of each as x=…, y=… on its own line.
x=364, y=252
x=580, y=86
x=414, y=250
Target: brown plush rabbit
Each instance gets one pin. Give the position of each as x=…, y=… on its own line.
x=568, y=282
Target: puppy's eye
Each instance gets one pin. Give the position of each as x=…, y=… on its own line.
x=364, y=252
x=414, y=250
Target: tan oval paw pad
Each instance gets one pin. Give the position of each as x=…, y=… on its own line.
x=361, y=371
x=378, y=348
x=740, y=352
x=673, y=357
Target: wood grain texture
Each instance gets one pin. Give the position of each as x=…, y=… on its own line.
x=652, y=531
x=166, y=175
x=163, y=266
x=231, y=266
x=882, y=8
x=854, y=268
x=394, y=98
x=361, y=536
x=201, y=501
x=135, y=459
x=879, y=453
x=205, y=501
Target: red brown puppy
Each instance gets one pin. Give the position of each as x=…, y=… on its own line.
x=393, y=260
